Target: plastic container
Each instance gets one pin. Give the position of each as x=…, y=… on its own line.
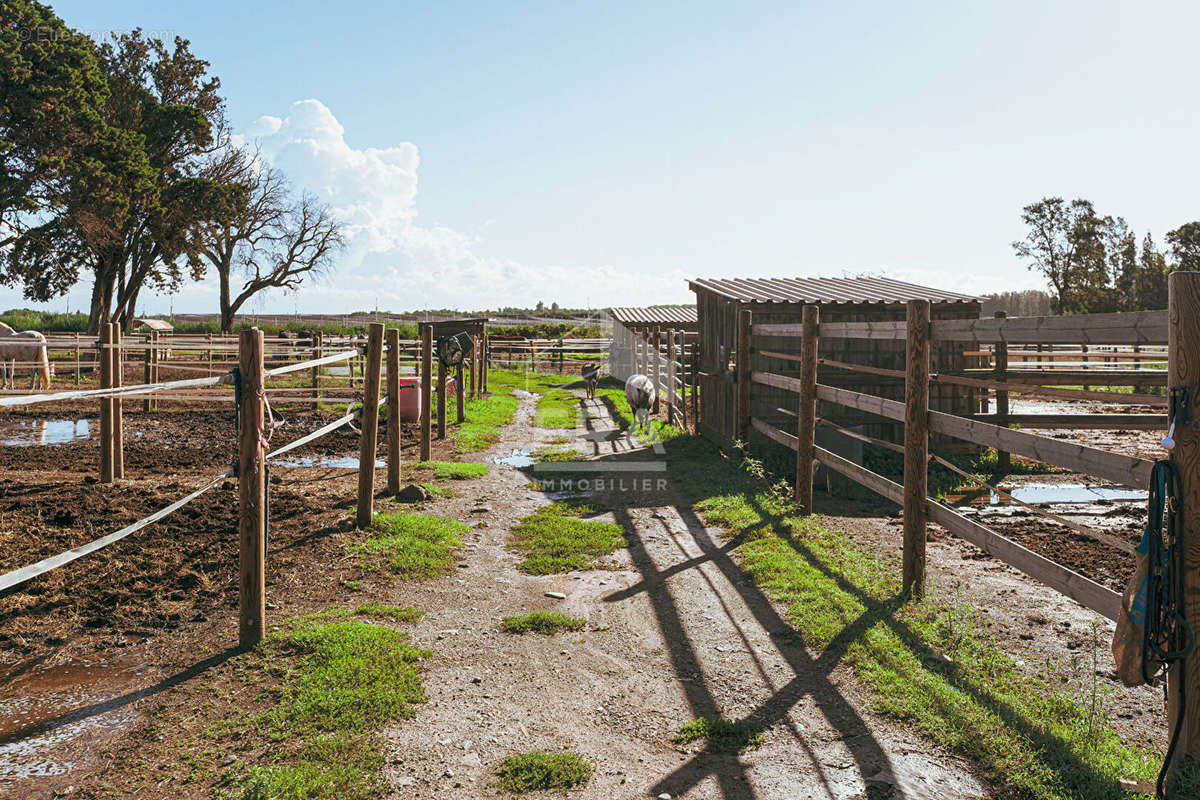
x=410, y=397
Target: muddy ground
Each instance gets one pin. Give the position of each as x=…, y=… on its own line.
x=97, y=658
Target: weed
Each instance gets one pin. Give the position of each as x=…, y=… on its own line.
x=722, y=736
x=555, y=539
x=544, y=622
x=411, y=545
x=558, y=453
x=527, y=772
x=439, y=491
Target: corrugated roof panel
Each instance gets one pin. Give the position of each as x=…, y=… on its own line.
x=826, y=290
x=655, y=315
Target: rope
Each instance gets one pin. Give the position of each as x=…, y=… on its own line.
x=19, y=576
x=316, y=362
x=318, y=433
x=143, y=388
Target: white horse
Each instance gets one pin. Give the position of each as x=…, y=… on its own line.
x=639, y=391
x=26, y=347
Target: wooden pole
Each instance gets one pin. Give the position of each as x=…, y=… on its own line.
x=147, y=370
x=483, y=362
x=369, y=441
x=106, y=430
x=118, y=421
x=459, y=389
x=657, y=366
x=1183, y=370
x=670, y=377
x=252, y=493
x=426, y=389
x=393, y=408
x=78, y=355
x=471, y=364
x=441, y=400
x=807, y=413
x=1003, y=459
x=916, y=446
x=742, y=429
x=318, y=352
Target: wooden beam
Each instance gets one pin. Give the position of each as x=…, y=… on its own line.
x=742, y=403
x=106, y=421
x=1000, y=364
x=1070, y=377
x=426, y=390
x=394, y=423
x=807, y=411
x=916, y=445
x=1136, y=327
x=252, y=493
x=1184, y=368
x=1098, y=422
x=118, y=415
x=369, y=440
x=861, y=475
x=441, y=399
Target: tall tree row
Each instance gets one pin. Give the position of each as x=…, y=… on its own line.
x=1095, y=263
x=108, y=174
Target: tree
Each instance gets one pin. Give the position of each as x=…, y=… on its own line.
x=162, y=114
x=265, y=235
x=51, y=93
x=1185, y=246
x=1064, y=244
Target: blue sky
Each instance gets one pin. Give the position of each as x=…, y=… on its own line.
x=588, y=153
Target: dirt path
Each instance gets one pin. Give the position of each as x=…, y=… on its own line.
x=675, y=634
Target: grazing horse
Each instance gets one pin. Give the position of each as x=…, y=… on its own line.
x=591, y=376
x=639, y=391
x=26, y=346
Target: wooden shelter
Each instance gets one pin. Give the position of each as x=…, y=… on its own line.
x=720, y=304
x=632, y=327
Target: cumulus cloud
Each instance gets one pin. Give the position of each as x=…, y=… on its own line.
x=394, y=260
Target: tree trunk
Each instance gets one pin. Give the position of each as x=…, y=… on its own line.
x=226, y=307
x=100, y=311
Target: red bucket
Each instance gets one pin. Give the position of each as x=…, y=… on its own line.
x=410, y=397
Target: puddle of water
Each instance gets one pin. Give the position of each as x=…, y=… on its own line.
x=1067, y=494
x=518, y=459
x=335, y=462
x=49, y=720
x=44, y=431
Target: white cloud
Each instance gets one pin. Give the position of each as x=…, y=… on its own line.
x=393, y=260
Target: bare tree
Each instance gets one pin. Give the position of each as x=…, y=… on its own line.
x=273, y=241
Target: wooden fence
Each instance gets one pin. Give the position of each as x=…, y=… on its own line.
x=1041, y=357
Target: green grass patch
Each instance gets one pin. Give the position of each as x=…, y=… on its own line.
x=931, y=664
x=544, y=622
x=528, y=772
x=439, y=491
x=411, y=545
x=339, y=682
x=555, y=539
x=453, y=470
x=403, y=614
x=558, y=452
x=722, y=736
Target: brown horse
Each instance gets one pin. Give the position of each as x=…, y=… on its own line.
x=26, y=348
x=591, y=376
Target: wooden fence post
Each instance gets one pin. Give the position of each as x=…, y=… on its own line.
x=471, y=364
x=252, y=493
x=393, y=408
x=1003, y=459
x=745, y=321
x=459, y=388
x=426, y=389
x=318, y=352
x=483, y=361
x=369, y=441
x=695, y=386
x=148, y=370
x=807, y=413
x=657, y=366
x=1183, y=369
x=916, y=446
x=118, y=421
x=670, y=377
x=441, y=402
x=106, y=430
x=78, y=355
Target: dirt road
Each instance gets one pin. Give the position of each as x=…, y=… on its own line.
x=675, y=632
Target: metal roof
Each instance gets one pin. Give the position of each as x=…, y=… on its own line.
x=825, y=290
x=154, y=324
x=655, y=315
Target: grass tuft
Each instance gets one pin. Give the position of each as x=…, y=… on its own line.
x=411, y=545
x=544, y=622
x=558, y=453
x=722, y=736
x=528, y=772
x=453, y=470
x=555, y=539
